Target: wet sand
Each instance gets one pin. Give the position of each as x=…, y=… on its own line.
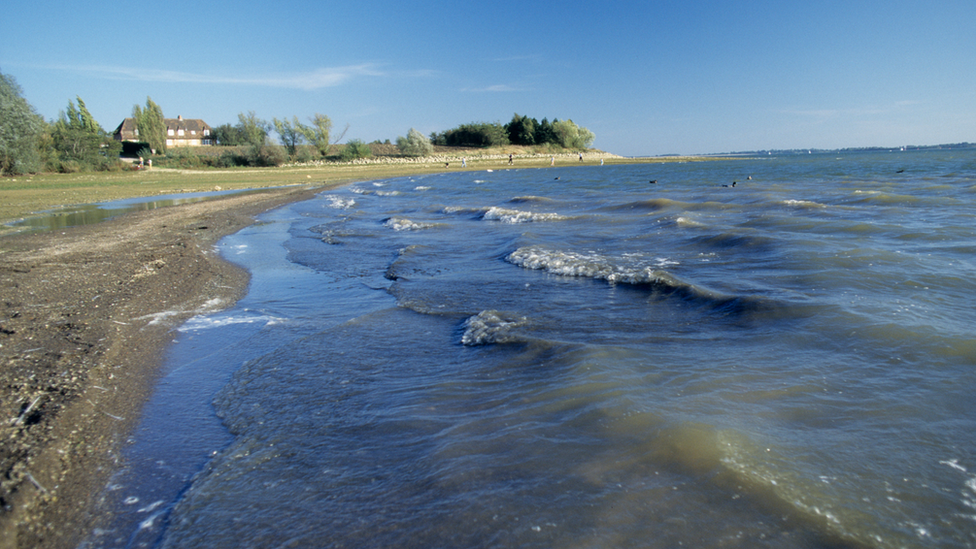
x=81, y=347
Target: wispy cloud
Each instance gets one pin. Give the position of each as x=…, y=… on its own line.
x=325, y=77
x=494, y=88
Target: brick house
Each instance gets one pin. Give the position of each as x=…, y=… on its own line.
x=180, y=132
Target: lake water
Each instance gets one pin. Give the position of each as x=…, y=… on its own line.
x=576, y=357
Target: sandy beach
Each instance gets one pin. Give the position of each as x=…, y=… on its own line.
x=81, y=345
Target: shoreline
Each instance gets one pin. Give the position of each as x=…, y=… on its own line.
x=81, y=346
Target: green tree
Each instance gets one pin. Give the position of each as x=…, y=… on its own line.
x=414, y=144
x=571, y=136
x=319, y=132
x=20, y=130
x=252, y=130
x=521, y=130
x=476, y=134
x=543, y=133
x=150, y=125
x=291, y=134
x=80, y=142
x=227, y=135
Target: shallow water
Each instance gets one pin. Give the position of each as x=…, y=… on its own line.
x=487, y=359
x=91, y=214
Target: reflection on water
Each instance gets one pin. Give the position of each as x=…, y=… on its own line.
x=90, y=214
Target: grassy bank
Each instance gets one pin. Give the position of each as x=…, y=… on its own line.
x=26, y=196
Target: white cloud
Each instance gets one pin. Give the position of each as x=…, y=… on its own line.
x=494, y=88
x=325, y=77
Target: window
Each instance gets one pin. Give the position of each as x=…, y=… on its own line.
x=180, y=132
x=169, y=132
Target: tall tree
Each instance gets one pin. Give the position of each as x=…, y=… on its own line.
x=150, y=125
x=253, y=131
x=291, y=134
x=20, y=130
x=521, y=130
x=77, y=137
x=318, y=133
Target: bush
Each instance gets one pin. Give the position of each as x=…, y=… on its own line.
x=305, y=154
x=182, y=157
x=69, y=166
x=266, y=156
x=354, y=149
x=414, y=144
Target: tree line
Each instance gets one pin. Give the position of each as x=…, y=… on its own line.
x=76, y=142
x=521, y=130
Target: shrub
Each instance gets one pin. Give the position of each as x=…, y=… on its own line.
x=266, y=156
x=304, y=154
x=414, y=144
x=354, y=149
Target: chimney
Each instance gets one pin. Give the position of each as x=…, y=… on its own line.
x=179, y=117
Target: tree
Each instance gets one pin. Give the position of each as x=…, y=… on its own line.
x=571, y=136
x=290, y=134
x=521, y=130
x=476, y=134
x=414, y=144
x=318, y=133
x=226, y=135
x=252, y=130
x=80, y=142
x=150, y=125
x=20, y=130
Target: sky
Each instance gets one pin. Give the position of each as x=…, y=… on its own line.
x=648, y=77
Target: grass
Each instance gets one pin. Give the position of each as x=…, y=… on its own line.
x=26, y=196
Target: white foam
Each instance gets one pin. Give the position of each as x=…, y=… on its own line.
x=803, y=204
x=339, y=203
x=489, y=327
x=520, y=216
x=590, y=265
x=402, y=224
x=206, y=322
x=685, y=222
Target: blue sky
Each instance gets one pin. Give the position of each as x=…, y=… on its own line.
x=647, y=77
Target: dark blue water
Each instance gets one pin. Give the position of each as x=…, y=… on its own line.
x=495, y=359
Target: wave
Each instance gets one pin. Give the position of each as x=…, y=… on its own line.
x=803, y=204
x=339, y=203
x=403, y=224
x=682, y=221
x=631, y=271
x=520, y=216
x=490, y=326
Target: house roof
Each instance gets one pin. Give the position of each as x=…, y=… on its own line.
x=127, y=129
